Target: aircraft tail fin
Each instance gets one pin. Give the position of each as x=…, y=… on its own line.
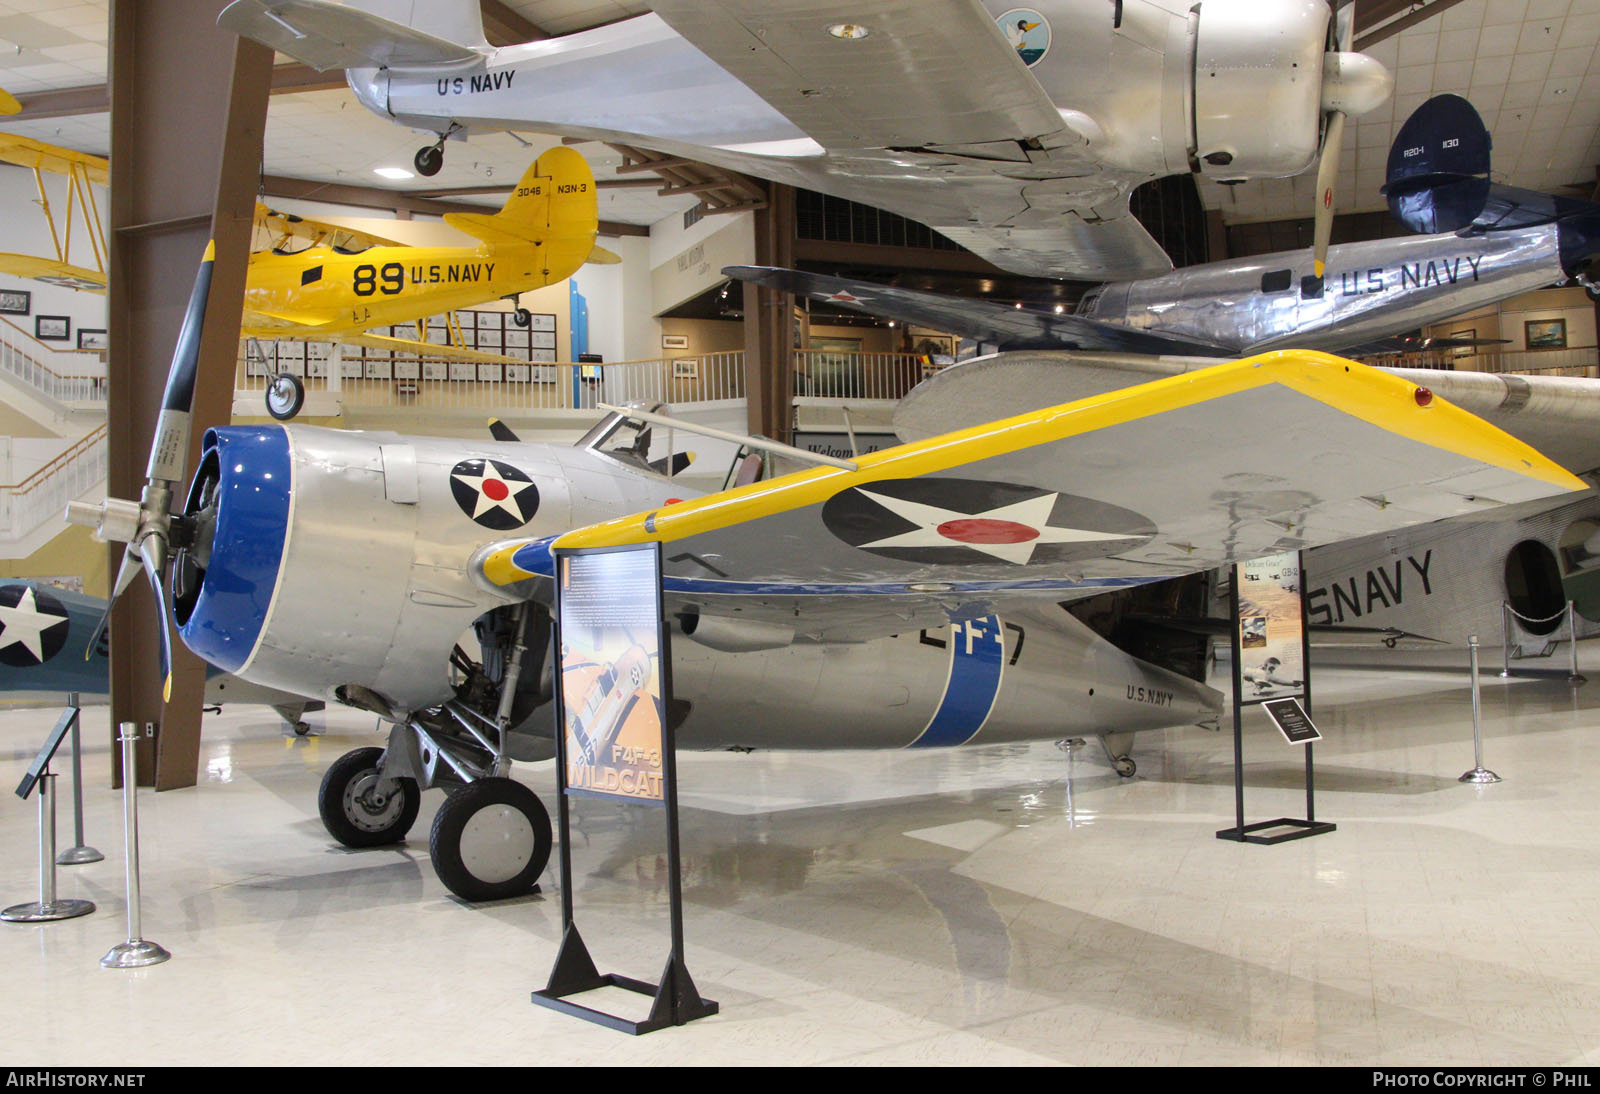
x=391, y=33
x=553, y=205
x=1438, y=181
x=459, y=21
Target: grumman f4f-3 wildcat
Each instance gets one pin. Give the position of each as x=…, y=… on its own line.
x=916, y=597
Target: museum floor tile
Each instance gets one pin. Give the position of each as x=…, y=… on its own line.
x=1003, y=905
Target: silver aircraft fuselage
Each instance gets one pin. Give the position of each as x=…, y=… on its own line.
x=1371, y=289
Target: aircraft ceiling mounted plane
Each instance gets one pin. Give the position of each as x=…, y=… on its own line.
x=1016, y=132
x=340, y=282
x=1486, y=243
x=914, y=598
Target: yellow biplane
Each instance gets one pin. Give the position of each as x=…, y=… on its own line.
x=342, y=282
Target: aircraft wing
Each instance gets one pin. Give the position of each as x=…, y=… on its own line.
x=1282, y=451
x=53, y=272
x=27, y=152
x=328, y=36
x=1557, y=415
x=428, y=350
x=896, y=86
x=294, y=226
x=998, y=324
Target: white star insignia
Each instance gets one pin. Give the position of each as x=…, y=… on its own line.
x=25, y=625
x=844, y=296
x=494, y=491
x=1009, y=533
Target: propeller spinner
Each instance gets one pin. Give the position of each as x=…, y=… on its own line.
x=148, y=526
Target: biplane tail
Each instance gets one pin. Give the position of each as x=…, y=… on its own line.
x=553, y=206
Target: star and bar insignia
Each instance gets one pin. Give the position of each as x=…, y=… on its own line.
x=494, y=493
x=33, y=626
x=965, y=521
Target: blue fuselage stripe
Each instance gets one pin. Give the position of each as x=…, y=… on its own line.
x=977, y=661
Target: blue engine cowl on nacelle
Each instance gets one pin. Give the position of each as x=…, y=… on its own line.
x=335, y=564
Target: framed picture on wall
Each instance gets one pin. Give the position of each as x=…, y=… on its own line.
x=685, y=368
x=52, y=328
x=91, y=339
x=1537, y=333
x=16, y=302
x=674, y=341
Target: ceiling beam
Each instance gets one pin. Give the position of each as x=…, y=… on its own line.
x=1369, y=32
x=374, y=197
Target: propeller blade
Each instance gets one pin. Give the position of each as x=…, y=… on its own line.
x=125, y=575
x=1327, y=176
x=153, y=551
x=170, y=449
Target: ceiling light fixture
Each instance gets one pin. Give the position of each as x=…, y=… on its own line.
x=393, y=172
x=849, y=32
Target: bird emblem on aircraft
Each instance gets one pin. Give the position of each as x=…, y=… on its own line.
x=962, y=520
x=494, y=494
x=33, y=626
x=1028, y=32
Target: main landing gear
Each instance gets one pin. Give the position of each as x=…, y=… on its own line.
x=491, y=838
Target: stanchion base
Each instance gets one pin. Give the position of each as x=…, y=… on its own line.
x=1298, y=829
x=47, y=913
x=134, y=954
x=77, y=856
x=1480, y=775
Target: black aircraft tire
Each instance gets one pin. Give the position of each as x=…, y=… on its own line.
x=491, y=840
x=428, y=160
x=285, y=396
x=522, y=317
x=351, y=818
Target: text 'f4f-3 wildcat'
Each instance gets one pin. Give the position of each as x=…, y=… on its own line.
x=916, y=597
x=1017, y=132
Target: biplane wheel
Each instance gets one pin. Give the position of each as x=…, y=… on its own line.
x=428, y=160
x=491, y=840
x=285, y=396
x=522, y=317
x=354, y=814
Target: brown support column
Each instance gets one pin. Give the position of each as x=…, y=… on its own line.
x=188, y=107
x=768, y=362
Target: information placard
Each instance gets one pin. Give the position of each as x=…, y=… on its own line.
x=1292, y=721
x=611, y=680
x=1271, y=628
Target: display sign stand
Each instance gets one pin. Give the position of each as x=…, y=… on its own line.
x=48, y=907
x=593, y=726
x=1290, y=718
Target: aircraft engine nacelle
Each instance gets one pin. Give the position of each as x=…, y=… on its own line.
x=1261, y=83
x=334, y=564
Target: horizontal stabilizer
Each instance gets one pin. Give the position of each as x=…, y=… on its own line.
x=327, y=36
x=554, y=204
x=999, y=325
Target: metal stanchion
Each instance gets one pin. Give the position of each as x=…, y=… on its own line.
x=136, y=952
x=48, y=907
x=1575, y=677
x=80, y=852
x=1479, y=773
x=1505, y=641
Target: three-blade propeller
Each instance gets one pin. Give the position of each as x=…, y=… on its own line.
x=147, y=527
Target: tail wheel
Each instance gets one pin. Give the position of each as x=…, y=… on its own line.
x=355, y=810
x=428, y=160
x=522, y=317
x=491, y=840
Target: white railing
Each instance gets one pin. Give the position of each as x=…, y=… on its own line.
x=43, y=495
x=690, y=378
x=829, y=375
x=63, y=379
x=1581, y=361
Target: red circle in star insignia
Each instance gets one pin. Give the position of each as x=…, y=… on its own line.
x=496, y=490
x=983, y=530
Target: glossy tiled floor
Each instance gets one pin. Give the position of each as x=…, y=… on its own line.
x=999, y=905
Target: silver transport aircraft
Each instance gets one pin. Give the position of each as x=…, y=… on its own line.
x=1503, y=242
x=918, y=597
x=1017, y=132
